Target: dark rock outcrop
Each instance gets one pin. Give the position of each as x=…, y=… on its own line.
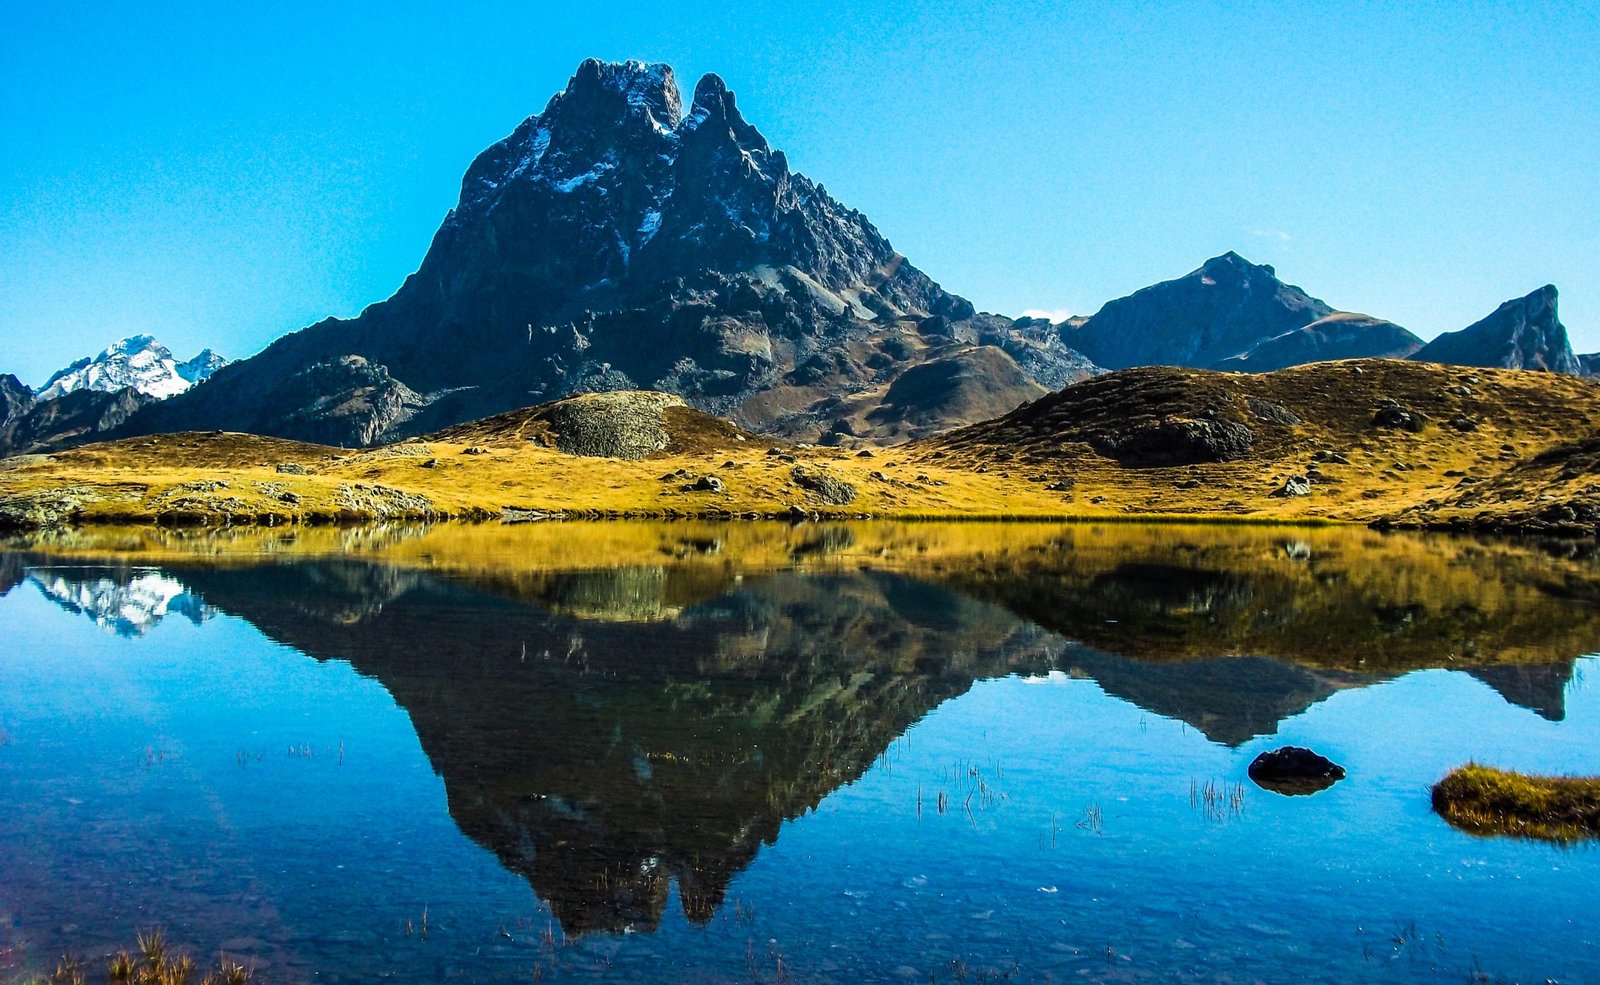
x=824, y=485
x=16, y=399
x=1523, y=333
x=1177, y=441
x=1294, y=770
x=626, y=425
x=616, y=241
x=1391, y=414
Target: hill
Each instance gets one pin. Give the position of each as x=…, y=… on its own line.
x=1368, y=441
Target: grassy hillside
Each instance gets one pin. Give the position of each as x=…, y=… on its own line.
x=1369, y=440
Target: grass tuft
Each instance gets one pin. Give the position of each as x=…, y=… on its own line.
x=1483, y=800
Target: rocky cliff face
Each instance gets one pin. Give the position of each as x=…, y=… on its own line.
x=15, y=399
x=619, y=241
x=79, y=417
x=1228, y=314
x=1523, y=333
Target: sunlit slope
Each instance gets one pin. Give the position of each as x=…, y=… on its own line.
x=1361, y=441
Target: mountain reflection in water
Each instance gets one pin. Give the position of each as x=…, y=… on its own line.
x=609, y=731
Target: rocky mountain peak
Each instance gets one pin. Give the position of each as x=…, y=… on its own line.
x=612, y=91
x=1234, y=270
x=615, y=242
x=1215, y=312
x=1523, y=333
x=15, y=399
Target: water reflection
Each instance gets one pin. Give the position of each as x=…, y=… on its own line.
x=611, y=732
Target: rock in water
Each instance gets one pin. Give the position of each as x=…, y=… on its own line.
x=1293, y=770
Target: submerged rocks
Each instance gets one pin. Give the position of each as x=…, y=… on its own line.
x=1293, y=770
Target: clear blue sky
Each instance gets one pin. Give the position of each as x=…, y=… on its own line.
x=220, y=174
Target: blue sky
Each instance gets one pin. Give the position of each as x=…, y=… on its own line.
x=221, y=174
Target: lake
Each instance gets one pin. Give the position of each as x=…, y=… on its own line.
x=757, y=752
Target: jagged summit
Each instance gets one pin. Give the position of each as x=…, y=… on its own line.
x=1523, y=333
x=617, y=240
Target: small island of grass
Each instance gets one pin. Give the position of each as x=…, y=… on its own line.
x=1488, y=801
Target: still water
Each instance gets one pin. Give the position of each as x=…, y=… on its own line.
x=762, y=753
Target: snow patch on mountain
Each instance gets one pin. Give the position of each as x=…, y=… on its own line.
x=138, y=362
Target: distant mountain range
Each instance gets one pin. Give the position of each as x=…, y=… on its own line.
x=96, y=395
x=619, y=240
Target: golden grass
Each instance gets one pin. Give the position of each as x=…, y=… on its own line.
x=1422, y=479
x=1488, y=801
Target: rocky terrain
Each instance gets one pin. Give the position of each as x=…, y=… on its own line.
x=622, y=241
x=32, y=424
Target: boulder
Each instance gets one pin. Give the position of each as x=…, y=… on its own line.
x=827, y=487
x=1391, y=415
x=1295, y=485
x=1294, y=770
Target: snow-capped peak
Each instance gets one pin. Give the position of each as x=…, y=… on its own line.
x=138, y=361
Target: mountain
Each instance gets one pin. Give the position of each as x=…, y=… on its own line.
x=618, y=241
x=137, y=362
x=1228, y=314
x=1523, y=333
x=16, y=399
x=73, y=419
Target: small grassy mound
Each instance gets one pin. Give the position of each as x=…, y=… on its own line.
x=1488, y=801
